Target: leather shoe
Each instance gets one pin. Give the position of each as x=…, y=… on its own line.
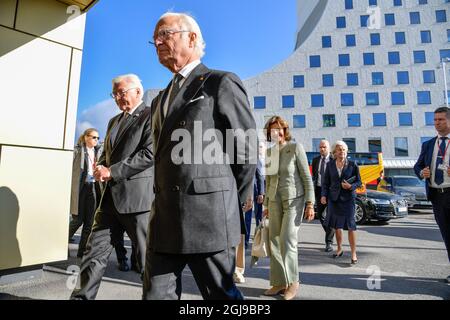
x=291, y=291
x=354, y=261
x=123, y=266
x=337, y=255
x=275, y=290
x=328, y=248
x=448, y=279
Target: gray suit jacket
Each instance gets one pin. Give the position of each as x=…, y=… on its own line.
x=130, y=159
x=197, y=206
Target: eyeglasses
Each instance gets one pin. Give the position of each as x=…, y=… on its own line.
x=94, y=137
x=165, y=34
x=116, y=95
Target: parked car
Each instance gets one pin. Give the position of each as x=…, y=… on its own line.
x=381, y=206
x=409, y=187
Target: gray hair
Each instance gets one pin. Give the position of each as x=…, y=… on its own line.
x=338, y=143
x=130, y=78
x=188, y=22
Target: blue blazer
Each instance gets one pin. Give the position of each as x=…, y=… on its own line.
x=425, y=158
x=331, y=182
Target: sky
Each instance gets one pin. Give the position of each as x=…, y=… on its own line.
x=246, y=37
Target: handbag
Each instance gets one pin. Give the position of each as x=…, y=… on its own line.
x=261, y=244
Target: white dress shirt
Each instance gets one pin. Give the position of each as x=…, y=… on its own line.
x=446, y=183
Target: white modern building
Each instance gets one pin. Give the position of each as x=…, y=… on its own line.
x=363, y=71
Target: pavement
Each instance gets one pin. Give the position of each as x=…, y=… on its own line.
x=404, y=259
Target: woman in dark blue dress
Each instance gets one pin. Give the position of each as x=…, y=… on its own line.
x=339, y=182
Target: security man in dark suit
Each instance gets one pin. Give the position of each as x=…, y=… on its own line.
x=126, y=165
x=319, y=164
x=434, y=166
x=199, y=195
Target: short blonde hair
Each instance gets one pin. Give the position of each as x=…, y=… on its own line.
x=338, y=143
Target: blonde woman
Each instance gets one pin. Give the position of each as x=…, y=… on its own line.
x=83, y=198
x=289, y=196
x=340, y=180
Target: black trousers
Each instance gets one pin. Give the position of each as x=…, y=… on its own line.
x=213, y=273
x=85, y=217
x=99, y=247
x=441, y=210
x=329, y=232
x=117, y=240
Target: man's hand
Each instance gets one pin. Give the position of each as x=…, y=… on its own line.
x=248, y=205
x=448, y=171
x=102, y=173
x=323, y=200
x=426, y=173
x=345, y=185
x=260, y=199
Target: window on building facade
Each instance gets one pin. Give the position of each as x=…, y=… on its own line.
x=350, y=40
x=288, y=101
x=448, y=35
x=429, y=118
x=348, y=4
x=394, y=57
x=419, y=56
x=444, y=54
x=317, y=100
x=299, y=121
x=414, y=17
x=373, y=2
x=389, y=19
x=377, y=78
x=398, y=98
x=425, y=139
x=340, y=22
x=329, y=120
x=397, y=3
x=351, y=144
x=400, y=38
x=354, y=120
x=259, y=102
x=372, y=99
x=425, y=36
x=375, y=145
x=405, y=119
x=344, y=60
x=375, y=39
x=401, y=146
x=327, y=80
x=352, y=79
x=326, y=42
x=314, y=61
x=347, y=99
x=423, y=97
x=428, y=76
x=402, y=77
x=299, y=81
x=441, y=16
x=369, y=58
x=364, y=19
x=379, y=119
x=423, y=1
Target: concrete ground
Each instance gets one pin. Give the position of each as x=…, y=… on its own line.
x=402, y=260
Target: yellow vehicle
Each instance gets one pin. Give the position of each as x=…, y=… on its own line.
x=370, y=167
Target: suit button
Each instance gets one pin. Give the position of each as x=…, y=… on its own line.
x=176, y=188
x=182, y=123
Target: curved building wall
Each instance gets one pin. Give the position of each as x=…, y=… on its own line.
x=273, y=92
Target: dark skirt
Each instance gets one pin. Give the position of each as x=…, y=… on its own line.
x=341, y=215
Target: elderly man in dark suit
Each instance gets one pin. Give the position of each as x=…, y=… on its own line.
x=198, y=202
x=319, y=164
x=434, y=166
x=126, y=167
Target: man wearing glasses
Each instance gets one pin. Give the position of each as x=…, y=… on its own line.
x=197, y=216
x=126, y=168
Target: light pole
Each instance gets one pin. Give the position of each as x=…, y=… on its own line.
x=444, y=70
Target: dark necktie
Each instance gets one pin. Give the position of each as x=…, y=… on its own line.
x=322, y=166
x=122, y=124
x=438, y=173
x=175, y=89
